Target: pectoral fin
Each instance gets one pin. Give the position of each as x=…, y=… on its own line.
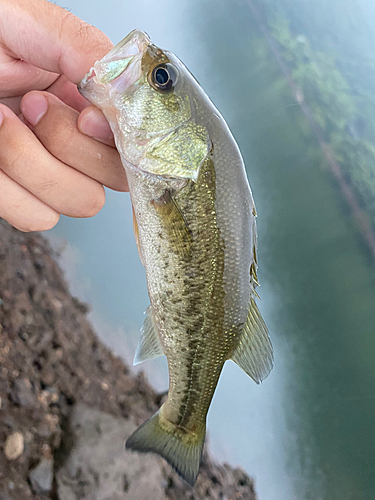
x=149, y=346
x=174, y=223
x=254, y=352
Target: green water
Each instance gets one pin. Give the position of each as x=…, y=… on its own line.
x=314, y=261
x=309, y=431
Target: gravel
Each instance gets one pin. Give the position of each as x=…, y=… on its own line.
x=54, y=372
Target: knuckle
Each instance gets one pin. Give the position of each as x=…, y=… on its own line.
x=10, y=162
x=59, y=143
x=45, y=187
x=67, y=20
x=92, y=39
x=85, y=31
x=57, y=131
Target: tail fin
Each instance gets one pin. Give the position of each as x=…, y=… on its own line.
x=180, y=448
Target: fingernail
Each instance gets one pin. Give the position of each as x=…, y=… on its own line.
x=95, y=125
x=1, y=117
x=34, y=107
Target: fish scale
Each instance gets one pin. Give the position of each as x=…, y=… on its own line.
x=189, y=340
x=194, y=222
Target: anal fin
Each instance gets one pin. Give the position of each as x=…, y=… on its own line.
x=149, y=346
x=254, y=352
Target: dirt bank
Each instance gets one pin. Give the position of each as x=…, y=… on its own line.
x=64, y=396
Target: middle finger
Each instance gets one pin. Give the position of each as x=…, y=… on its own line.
x=58, y=132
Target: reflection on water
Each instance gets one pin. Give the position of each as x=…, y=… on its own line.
x=308, y=431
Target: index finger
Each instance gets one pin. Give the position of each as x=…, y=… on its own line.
x=51, y=38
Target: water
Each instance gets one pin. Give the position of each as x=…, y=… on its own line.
x=308, y=431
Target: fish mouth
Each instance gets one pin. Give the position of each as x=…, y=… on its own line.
x=83, y=84
x=120, y=68
x=134, y=43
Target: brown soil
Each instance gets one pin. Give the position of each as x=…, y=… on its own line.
x=51, y=360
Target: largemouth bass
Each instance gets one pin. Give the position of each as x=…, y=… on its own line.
x=194, y=222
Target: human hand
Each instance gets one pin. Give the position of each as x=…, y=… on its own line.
x=48, y=166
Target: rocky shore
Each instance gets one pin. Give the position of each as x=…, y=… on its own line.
x=67, y=403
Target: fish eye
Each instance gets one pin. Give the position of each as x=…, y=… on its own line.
x=164, y=77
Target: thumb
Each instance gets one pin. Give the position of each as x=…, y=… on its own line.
x=50, y=37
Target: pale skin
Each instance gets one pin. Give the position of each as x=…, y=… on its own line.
x=56, y=151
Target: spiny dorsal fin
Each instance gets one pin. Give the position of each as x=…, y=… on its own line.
x=149, y=346
x=254, y=353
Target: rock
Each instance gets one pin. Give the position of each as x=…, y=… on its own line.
x=41, y=478
x=22, y=393
x=49, y=425
x=14, y=446
x=50, y=361
x=99, y=467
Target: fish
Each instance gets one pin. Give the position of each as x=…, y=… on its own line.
x=195, y=226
